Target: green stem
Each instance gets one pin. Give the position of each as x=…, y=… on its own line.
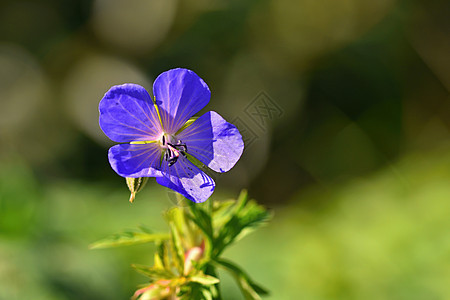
x=203, y=219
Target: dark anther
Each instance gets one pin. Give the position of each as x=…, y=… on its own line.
x=167, y=154
x=173, y=152
x=173, y=160
x=179, y=146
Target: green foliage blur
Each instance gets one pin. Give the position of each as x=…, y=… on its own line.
x=354, y=161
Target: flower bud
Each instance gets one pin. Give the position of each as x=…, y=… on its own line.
x=135, y=185
x=193, y=254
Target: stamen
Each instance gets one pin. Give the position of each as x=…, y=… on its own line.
x=172, y=161
x=166, y=155
x=173, y=152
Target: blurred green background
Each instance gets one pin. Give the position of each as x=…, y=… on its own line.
x=344, y=107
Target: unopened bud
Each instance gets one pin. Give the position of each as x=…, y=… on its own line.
x=135, y=185
x=193, y=254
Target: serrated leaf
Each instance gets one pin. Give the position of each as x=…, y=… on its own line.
x=244, y=219
x=250, y=289
x=204, y=279
x=222, y=213
x=128, y=238
x=223, y=207
x=252, y=217
x=201, y=219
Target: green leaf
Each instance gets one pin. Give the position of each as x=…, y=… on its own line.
x=222, y=213
x=204, y=279
x=215, y=289
x=201, y=219
x=251, y=217
x=244, y=217
x=153, y=273
x=159, y=257
x=250, y=289
x=207, y=295
x=129, y=238
x=241, y=200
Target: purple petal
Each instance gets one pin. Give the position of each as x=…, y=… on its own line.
x=215, y=142
x=186, y=179
x=179, y=94
x=136, y=160
x=127, y=114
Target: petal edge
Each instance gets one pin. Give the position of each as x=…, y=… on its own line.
x=215, y=142
x=179, y=94
x=127, y=114
x=186, y=179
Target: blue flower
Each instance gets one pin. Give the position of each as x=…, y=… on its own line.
x=157, y=139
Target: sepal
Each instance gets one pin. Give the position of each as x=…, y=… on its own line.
x=135, y=185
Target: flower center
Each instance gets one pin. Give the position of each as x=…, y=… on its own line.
x=174, y=147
